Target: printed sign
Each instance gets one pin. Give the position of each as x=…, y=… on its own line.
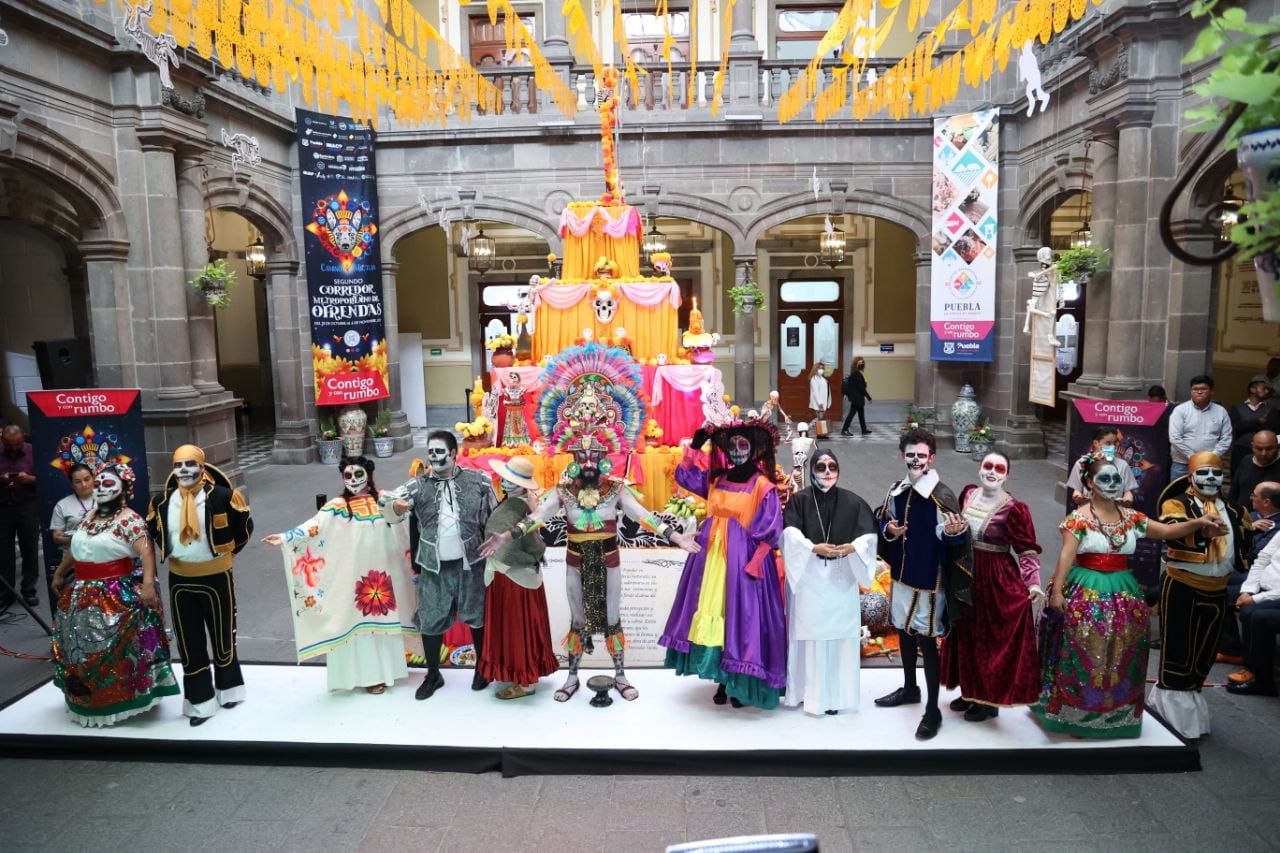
x=963, y=267
x=344, y=276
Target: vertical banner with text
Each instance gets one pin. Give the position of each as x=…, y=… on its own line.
x=1143, y=430
x=344, y=276
x=966, y=158
x=90, y=425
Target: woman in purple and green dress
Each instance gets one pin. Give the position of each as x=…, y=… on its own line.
x=1095, y=671
x=728, y=623
x=110, y=652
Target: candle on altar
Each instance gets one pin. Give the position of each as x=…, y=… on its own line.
x=695, y=318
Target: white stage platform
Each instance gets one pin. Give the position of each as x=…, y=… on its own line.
x=290, y=718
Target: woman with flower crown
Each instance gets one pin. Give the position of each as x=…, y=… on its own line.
x=110, y=652
x=1095, y=661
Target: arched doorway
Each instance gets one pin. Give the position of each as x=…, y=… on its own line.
x=863, y=306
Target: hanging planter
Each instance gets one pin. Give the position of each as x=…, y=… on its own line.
x=1079, y=263
x=746, y=297
x=215, y=282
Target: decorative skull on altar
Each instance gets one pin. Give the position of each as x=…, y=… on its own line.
x=605, y=306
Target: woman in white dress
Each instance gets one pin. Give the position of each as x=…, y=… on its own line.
x=348, y=575
x=819, y=397
x=829, y=547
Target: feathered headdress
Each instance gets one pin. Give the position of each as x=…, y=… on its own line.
x=591, y=391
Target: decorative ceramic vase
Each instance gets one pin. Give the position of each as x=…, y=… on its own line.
x=352, y=422
x=1259, y=157
x=979, y=449
x=330, y=451
x=383, y=446
x=503, y=357
x=964, y=416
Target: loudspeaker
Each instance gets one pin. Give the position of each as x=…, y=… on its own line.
x=63, y=364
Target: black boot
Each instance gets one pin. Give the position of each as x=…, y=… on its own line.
x=478, y=681
x=431, y=645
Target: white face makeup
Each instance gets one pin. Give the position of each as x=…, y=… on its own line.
x=188, y=472
x=917, y=458
x=739, y=449
x=993, y=472
x=1108, y=483
x=356, y=479
x=1208, y=480
x=439, y=457
x=106, y=488
x=826, y=473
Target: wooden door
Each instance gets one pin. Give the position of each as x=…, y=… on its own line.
x=810, y=317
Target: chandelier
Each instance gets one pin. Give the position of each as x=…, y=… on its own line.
x=481, y=252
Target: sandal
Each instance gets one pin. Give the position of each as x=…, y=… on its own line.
x=375, y=689
x=625, y=688
x=515, y=691
x=564, y=694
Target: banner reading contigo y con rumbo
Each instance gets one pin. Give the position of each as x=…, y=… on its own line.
x=344, y=276
x=92, y=426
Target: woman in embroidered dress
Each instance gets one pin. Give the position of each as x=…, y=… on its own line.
x=991, y=653
x=110, y=652
x=514, y=430
x=727, y=623
x=1095, y=672
x=350, y=588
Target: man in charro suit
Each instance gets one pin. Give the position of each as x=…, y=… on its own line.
x=199, y=524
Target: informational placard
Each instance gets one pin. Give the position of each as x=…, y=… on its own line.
x=649, y=580
x=1143, y=430
x=90, y=425
x=963, y=270
x=344, y=275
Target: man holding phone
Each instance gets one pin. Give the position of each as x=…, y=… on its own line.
x=18, y=516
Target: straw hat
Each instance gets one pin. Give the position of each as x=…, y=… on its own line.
x=517, y=470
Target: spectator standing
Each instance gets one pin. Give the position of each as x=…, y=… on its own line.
x=855, y=391
x=1156, y=394
x=68, y=513
x=819, y=398
x=1265, y=502
x=18, y=515
x=1196, y=425
x=1262, y=465
x=1255, y=413
x=1273, y=375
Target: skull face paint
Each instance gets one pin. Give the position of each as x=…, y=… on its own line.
x=440, y=457
x=917, y=458
x=188, y=472
x=1207, y=480
x=993, y=472
x=826, y=472
x=1108, y=483
x=107, y=486
x=356, y=479
x=739, y=449
x=605, y=306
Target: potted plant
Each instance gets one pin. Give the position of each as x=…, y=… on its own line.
x=919, y=417
x=746, y=297
x=215, y=282
x=981, y=439
x=383, y=444
x=503, y=348
x=1246, y=82
x=328, y=442
x=1080, y=262
x=476, y=435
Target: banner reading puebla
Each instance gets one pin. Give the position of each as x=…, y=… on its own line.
x=963, y=269
x=344, y=276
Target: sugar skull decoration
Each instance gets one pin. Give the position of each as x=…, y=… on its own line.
x=604, y=305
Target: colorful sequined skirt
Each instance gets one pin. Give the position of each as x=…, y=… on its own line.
x=1093, y=685
x=110, y=652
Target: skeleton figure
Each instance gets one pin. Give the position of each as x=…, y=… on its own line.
x=605, y=306
x=160, y=50
x=1029, y=71
x=801, y=450
x=523, y=305
x=1044, y=301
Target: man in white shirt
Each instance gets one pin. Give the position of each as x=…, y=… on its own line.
x=1196, y=425
x=1259, y=606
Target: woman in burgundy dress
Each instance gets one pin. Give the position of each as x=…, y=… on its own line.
x=991, y=653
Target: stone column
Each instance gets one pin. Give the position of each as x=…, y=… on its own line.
x=110, y=334
x=391, y=324
x=555, y=40
x=1023, y=438
x=1129, y=260
x=293, y=439
x=1097, y=312
x=742, y=88
x=742, y=39
x=925, y=392
x=195, y=254
x=165, y=266
x=744, y=340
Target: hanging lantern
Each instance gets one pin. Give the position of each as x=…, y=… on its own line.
x=255, y=258
x=481, y=251
x=654, y=242
x=1082, y=237
x=1228, y=214
x=831, y=246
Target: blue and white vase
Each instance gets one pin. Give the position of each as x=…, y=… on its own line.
x=1259, y=157
x=964, y=416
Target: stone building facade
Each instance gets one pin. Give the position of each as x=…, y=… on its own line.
x=119, y=173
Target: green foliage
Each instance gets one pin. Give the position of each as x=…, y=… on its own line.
x=215, y=282
x=1258, y=230
x=328, y=429
x=982, y=432
x=739, y=293
x=1080, y=262
x=382, y=425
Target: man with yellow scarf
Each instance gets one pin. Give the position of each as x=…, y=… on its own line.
x=199, y=523
x=1193, y=592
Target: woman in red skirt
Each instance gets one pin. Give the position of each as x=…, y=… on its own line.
x=991, y=653
x=517, y=647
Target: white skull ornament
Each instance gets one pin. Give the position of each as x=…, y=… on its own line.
x=605, y=306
